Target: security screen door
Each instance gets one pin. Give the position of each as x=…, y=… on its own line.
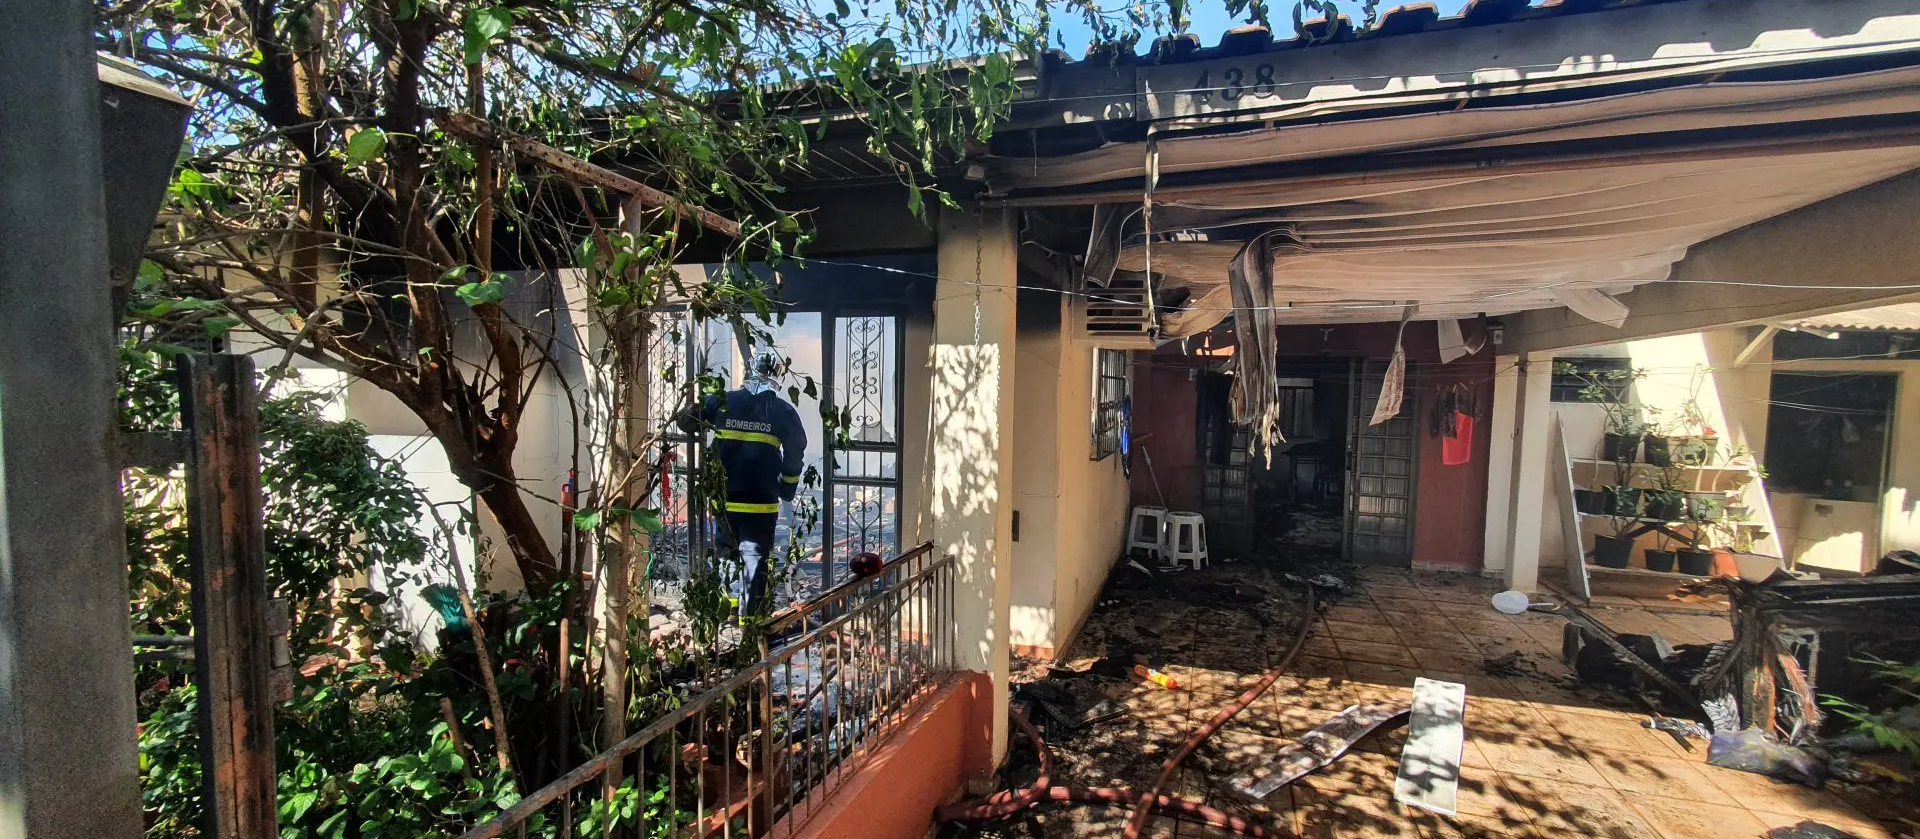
x=1380, y=472
x=856, y=364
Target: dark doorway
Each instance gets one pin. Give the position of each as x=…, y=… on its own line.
x=1827, y=434
x=1336, y=487
x=1290, y=501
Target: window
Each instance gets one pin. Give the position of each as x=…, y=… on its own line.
x=1111, y=388
x=1827, y=434
x=1295, y=397
x=1591, y=379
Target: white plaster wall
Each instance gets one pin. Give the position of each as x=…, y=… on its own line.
x=1072, y=508
x=425, y=463
x=1037, y=486
x=1093, y=500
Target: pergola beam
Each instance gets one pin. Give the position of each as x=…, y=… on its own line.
x=1753, y=346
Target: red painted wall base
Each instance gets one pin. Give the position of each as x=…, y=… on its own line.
x=926, y=763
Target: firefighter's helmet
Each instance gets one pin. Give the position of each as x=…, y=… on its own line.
x=766, y=364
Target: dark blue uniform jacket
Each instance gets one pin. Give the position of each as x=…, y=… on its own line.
x=759, y=439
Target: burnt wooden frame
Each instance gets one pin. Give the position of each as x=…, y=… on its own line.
x=1761, y=667
x=238, y=640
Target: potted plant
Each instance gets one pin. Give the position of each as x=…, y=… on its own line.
x=1655, y=448
x=1592, y=502
x=1666, y=501
x=1749, y=566
x=1665, y=504
x=1694, y=560
x=1704, y=506
x=1622, y=501
x=1694, y=442
x=1616, y=550
x=1620, y=441
x=1660, y=559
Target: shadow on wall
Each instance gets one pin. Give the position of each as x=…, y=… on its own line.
x=966, y=486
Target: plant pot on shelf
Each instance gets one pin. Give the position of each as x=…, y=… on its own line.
x=1665, y=505
x=1656, y=452
x=1695, y=562
x=1622, y=501
x=1612, y=551
x=1737, y=512
x=1691, y=451
x=1659, y=560
x=1619, y=448
x=1593, y=502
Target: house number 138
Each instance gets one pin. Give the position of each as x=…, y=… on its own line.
x=1234, y=84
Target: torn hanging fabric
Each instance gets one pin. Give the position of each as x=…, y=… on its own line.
x=1256, y=389
x=1103, y=245
x=1394, y=388
x=1594, y=305
x=1453, y=345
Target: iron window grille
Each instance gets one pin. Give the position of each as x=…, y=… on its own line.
x=1581, y=379
x=1112, y=385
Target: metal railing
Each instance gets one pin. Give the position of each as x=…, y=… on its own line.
x=770, y=744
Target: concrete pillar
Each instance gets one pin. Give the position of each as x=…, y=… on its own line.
x=971, y=444
x=67, y=752
x=1530, y=464
x=1502, y=433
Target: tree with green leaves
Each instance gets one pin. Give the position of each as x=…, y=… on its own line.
x=362, y=174
x=368, y=184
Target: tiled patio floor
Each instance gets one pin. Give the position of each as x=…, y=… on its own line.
x=1543, y=759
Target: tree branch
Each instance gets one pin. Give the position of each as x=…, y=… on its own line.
x=581, y=171
x=636, y=79
x=211, y=82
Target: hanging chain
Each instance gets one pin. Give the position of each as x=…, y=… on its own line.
x=979, y=260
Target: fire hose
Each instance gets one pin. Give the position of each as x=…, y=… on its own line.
x=1144, y=809
x=1008, y=802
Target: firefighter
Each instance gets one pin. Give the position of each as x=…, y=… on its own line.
x=760, y=442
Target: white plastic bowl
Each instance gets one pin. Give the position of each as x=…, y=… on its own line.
x=1511, y=602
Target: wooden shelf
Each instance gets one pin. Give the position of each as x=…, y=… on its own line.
x=1631, y=571
x=1723, y=480
x=1723, y=467
x=1665, y=521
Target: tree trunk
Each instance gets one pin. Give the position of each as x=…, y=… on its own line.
x=627, y=545
x=499, y=491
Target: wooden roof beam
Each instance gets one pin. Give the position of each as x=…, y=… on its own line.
x=581, y=171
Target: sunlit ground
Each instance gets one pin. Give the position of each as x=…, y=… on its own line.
x=1542, y=758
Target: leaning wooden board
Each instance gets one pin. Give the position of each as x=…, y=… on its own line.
x=1429, y=776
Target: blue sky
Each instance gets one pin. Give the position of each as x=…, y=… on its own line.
x=1209, y=20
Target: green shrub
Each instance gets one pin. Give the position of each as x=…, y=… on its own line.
x=1887, y=728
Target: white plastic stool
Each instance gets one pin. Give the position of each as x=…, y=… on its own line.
x=1184, y=540
x=1143, y=530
